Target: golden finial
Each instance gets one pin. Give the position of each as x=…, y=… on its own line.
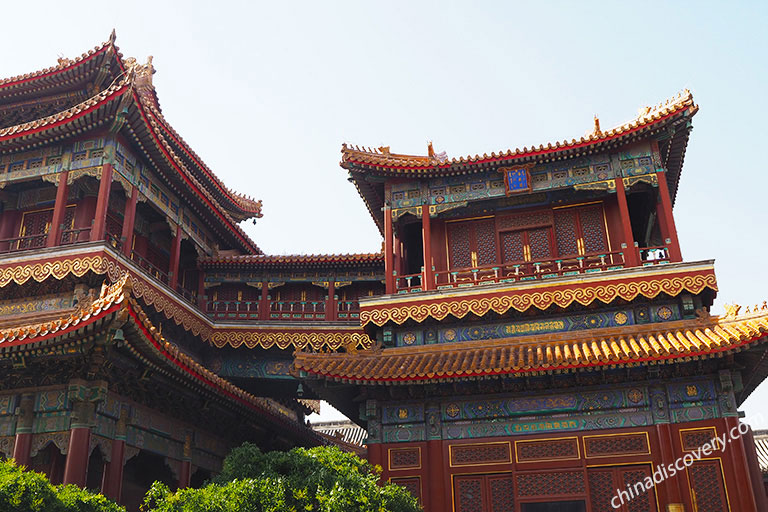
x=430, y=149
x=597, y=130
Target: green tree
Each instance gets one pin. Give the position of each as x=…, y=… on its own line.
x=320, y=479
x=28, y=491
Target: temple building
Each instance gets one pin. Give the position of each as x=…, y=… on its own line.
x=528, y=339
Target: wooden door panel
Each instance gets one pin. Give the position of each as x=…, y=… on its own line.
x=566, y=232
x=539, y=244
x=645, y=502
x=485, y=241
x=512, y=246
x=501, y=493
x=707, y=485
x=469, y=495
x=592, y=227
x=459, y=245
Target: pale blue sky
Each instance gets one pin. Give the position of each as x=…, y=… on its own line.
x=266, y=92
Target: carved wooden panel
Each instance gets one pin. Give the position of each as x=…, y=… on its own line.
x=608, y=445
x=694, y=438
x=411, y=484
x=479, y=454
x=559, y=483
x=547, y=449
x=468, y=494
x=405, y=458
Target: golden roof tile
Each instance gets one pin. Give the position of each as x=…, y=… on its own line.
x=638, y=344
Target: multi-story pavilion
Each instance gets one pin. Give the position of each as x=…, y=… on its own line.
x=530, y=339
x=542, y=344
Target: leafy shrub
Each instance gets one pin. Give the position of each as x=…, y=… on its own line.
x=28, y=491
x=320, y=479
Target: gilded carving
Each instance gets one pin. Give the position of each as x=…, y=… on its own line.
x=563, y=298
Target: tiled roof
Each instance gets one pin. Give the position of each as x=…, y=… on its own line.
x=439, y=164
x=294, y=259
x=761, y=446
x=344, y=430
x=62, y=66
x=703, y=337
x=146, y=344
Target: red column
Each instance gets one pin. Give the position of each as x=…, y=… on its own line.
x=200, y=288
x=744, y=496
x=129, y=220
x=630, y=253
x=264, y=303
x=173, y=267
x=185, y=474
x=112, y=483
x=397, y=259
x=102, y=203
x=389, y=278
x=426, y=235
x=330, y=305
x=76, y=467
x=664, y=209
x=672, y=485
x=54, y=233
x=374, y=455
x=24, y=422
x=436, y=494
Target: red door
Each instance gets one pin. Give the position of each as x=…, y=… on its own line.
x=580, y=231
x=604, y=482
x=484, y=493
x=472, y=243
x=707, y=488
x=34, y=228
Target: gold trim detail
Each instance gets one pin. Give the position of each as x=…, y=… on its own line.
x=542, y=300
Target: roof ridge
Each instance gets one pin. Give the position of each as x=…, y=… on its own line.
x=383, y=157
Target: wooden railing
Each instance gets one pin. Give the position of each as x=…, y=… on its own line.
x=654, y=255
x=145, y=264
x=23, y=243
x=514, y=271
x=76, y=235
x=233, y=309
x=297, y=310
x=348, y=309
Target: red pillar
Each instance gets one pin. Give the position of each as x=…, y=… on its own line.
x=112, y=483
x=173, y=267
x=436, y=494
x=264, y=303
x=59, y=208
x=374, y=455
x=76, y=467
x=426, y=235
x=671, y=486
x=102, y=204
x=185, y=474
x=630, y=253
x=744, y=496
x=200, y=288
x=129, y=220
x=24, y=422
x=389, y=278
x=664, y=209
x=330, y=306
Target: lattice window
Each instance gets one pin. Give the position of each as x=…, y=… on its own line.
x=473, y=454
x=707, y=485
x=512, y=246
x=485, y=232
x=459, y=244
x=469, y=494
x=616, y=445
x=524, y=220
x=538, y=240
x=550, y=483
x=642, y=502
x=412, y=485
x=401, y=458
x=593, y=229
x=502, y=493
x=693, y=439
x=550, y=449
x=565, y=233
x=601, y=490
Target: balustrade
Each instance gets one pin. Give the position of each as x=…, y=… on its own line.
x=76, y=235
x=146, y=265
x=297, y=310
x=348, y=309
x=233, y=309
x=22, y=243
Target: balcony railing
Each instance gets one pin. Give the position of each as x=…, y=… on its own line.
x=74, y=236
x=23, y=243
x=654, y=255
x=297, y=310
x=151, y=269
x=348, y=310
x=233, y=309
x=514, y=271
